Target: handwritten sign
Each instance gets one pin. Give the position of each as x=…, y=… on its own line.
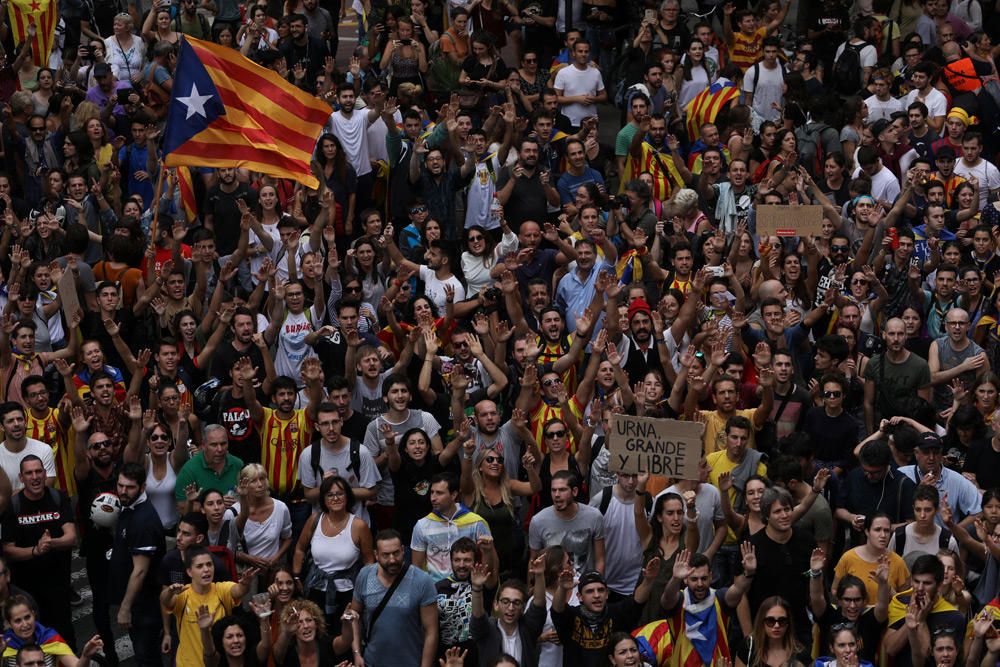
x=784, y=221
x=664, y=447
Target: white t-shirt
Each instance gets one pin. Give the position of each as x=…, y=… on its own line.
x=481, y=190
x=573, y=81
x=353, y=135
x=885, y=185
x=985, y=172
x=292, y=349
x=877, y=109
x=936, y=102
x=623, y=556
x=264, y=539
x=11, y=461
x=769, y=90
x=434, y=288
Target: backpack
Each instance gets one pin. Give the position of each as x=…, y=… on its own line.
x=442, y=72
x=355, y=464
x=847, y=70
x=943, y=539
x=606, y=500
x=223, y=551
x=810, y=142
x=15, y=500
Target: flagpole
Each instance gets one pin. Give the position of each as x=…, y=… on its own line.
x=156, y=203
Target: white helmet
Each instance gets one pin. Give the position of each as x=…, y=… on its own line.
x=104, y=510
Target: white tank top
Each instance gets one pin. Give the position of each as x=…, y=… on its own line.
x=336, y=553
x=161, y=493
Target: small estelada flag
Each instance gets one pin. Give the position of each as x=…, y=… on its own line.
x=43, y=15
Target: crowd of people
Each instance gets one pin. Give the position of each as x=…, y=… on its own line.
x=367, y=424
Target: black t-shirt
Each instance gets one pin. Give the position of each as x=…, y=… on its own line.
x=412, y=485
x=95, y=540
x=355, y=428
x=24, y=525
x=586, y=645
x=780, y=569
x=244, y=437
x=225, y=359
x=984, y=462
x=833, y=436
x=139, y=533
x=923, y=144
x=226, y=216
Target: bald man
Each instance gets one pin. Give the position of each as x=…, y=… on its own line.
x=894, y=377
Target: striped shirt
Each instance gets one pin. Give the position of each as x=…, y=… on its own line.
x=543, y=412
x=660, y=166
x=47, y=429
x=281, y=442
x=746, y=49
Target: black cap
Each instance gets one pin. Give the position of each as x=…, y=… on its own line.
x=946, y=152
x=591, y=577
x=878, y=127
x=929, y=441
x=102, y=69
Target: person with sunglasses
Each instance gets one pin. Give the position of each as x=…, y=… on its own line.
x=830, y=427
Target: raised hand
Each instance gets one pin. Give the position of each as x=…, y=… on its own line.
x=817, y=559
x=748, y=557
x=682, y=568
x=652, y=569
x=205, y=618
x=480, y=574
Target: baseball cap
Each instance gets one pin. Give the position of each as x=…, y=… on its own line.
x=929, y=441
x=591, y=577
x=102, y=69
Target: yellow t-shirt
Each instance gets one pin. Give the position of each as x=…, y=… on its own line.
x=219, y=601
x=715, y=429
x=719, y=463
x=852, y=563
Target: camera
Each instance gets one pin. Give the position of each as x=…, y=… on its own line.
x=492, y=294
x=621, y=201
x=406, y=42
x=871, y=345
x=716, y=271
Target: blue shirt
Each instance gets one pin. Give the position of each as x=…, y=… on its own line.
x=963, y=497
x=132, y=158
x=573, y=294
x=398, y=631
x=568, y=183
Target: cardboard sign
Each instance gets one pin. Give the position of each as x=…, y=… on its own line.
x=784, y=221
x=67, y=291
x=664, y=447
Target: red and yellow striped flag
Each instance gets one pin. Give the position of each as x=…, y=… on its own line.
x=227, y=111
x=43, y=14
x=706, y=106
x=185, y=185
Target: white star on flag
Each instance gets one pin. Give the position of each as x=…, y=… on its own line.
x=194, y=102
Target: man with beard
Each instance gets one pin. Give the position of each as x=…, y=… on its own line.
x=38, y=538
x=221, y=213
x=962, y=496
x=440, y=284
x=785, y=329
x=366, y=381
x=633, y=132
x=436, y=183
x=350, y=127
x=525, y=189
x=894, y=377
x=135, y=556
x=339, y=393
x=449, y=519
x=185, y=601
x=485, y=379
x=641, y=351
x=690, y=602
x=585, y=631
x=407, y=627
x=955, y=356
x=471, y=573
x=782, y=550
x=96, y=472
x=577, y=527
x=243, y=325
x=303, y=50
x=533, y=262
x=51, y=425
x=109, y=308
x=725, y=392
x=232, y=407
x=577, y=173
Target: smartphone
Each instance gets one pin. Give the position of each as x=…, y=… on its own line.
x=894, y=235
x=123, y=95
x=649, y=16
x=406, y=42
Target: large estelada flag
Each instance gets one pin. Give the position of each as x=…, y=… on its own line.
x=227, y=111
x=43, y=14
x=706, y=106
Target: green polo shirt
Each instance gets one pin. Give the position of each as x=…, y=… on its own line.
x=196, y=471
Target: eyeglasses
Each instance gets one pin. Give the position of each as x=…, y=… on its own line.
x=101, y=444
x=473, y=239
x=551, y=381
x=329, y=424
x=460, y=344
x=159, y=436
x=38, y=129
x=776, y=621
x=837, y=627
x=418, y=209
x=839, y=248
x=40, y=392
x=859, y=281
x=494, y=459
x=506, y=602
x=334, y=495
x=551, y=435
x=832, y=394
x=353, y=288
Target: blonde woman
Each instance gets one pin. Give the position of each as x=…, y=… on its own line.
x=264, y=522
x=488, y=490
x=126, y=53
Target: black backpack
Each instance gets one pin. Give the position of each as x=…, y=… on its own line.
x=316, y=450
x=847, y=70
x=606, y=500
x=943, y=539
